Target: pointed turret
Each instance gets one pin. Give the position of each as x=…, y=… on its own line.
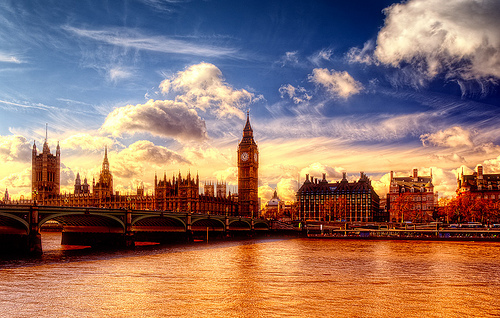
x=247, y=131
x=105, y=162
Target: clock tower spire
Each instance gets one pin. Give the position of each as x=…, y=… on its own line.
x=248, y=173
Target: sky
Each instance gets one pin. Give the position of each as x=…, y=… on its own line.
x=330, y=86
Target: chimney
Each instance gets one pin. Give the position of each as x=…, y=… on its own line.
x=307, y=177
x=392, y=175
x=324, y=176
x=479, y=170
x=415, y=173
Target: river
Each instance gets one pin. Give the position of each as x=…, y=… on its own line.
x=257, y=278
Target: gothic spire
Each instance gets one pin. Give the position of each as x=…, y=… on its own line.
x=105, y=162
x=247, y=131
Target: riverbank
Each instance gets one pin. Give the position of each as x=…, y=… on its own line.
x=449, y=234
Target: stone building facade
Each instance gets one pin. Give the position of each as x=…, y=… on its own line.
x=343, y=201
x=481, y=185
x=248, y=173
x=176, y=195
x=412, y=198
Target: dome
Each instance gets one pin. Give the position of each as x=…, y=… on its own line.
x=275, y=201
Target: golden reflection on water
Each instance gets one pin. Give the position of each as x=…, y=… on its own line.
x=264, y=278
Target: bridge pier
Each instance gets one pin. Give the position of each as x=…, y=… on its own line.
x=34, y=237
x=129, y=234
x=189, y=231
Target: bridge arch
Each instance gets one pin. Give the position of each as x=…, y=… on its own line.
x=240, y=225
x=261, y=225
x=214, y=224
x=14, y=223
x=86, y=219
x=155, y=222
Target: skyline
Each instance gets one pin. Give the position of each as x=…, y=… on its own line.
x=330, y=88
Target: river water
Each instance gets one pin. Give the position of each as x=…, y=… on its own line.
x=257, y=278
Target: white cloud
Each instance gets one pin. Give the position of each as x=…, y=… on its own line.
x=451, y=137
x=229, y=175
x=492, y=165
x=317, y=169
x=133, y=39
x=323, y=55
x=15, y=148
x=67, y=177
x=454, y=157
x=17, y=180
x=87, y=142
x=142, y=156
x=161, y=118
x=338, y=84
x=289, y=58
x=202, y=86
x=444, y=181
x=459, y=38
x=296, y=94
x=364, y=55
x=7, y=58
x=118, y=73
x=287, y=189
x=381, y=186
x=265, y=194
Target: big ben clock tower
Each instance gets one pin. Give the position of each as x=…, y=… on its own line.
x=248, y=173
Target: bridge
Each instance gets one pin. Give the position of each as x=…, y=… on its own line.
x=20, y=226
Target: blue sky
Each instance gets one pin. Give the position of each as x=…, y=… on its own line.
x=331, y=86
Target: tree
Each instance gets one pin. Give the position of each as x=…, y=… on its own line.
x=402, y=207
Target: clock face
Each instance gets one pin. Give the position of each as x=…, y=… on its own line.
x=244, y=156
x=255, y=157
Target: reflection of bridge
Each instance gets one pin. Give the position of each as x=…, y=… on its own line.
x=20, y=226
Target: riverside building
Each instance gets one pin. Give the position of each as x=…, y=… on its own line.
x=177, y=194
x=338, y=201
x=479, y=184
x=248, y=173
x=412, y=198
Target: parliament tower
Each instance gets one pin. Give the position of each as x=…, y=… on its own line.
x=45, y=173
x=248, y=173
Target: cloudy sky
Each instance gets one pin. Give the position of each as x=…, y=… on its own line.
x=331, y=86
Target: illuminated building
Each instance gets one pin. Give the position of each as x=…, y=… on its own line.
x=479, y=184
x=248, y=173
x=411, y=198
x=278, y=209
x=79, y=187
x=104, y=187
x=338, y=201
x=178, y=194
x=45, y=173
x=274, y=207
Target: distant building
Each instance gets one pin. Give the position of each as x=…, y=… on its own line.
x=338, y=201
x=178, y=194
x=6, y=197
x=411, y=198
x=45, y=173
x=209, y=189
x=104, y=186
x=248, y=173
x=221, y=189
x=79, y=187
x=479, y=184
x=278, y=209
x=274, y=207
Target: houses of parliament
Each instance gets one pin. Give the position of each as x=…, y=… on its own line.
x=178, y=194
